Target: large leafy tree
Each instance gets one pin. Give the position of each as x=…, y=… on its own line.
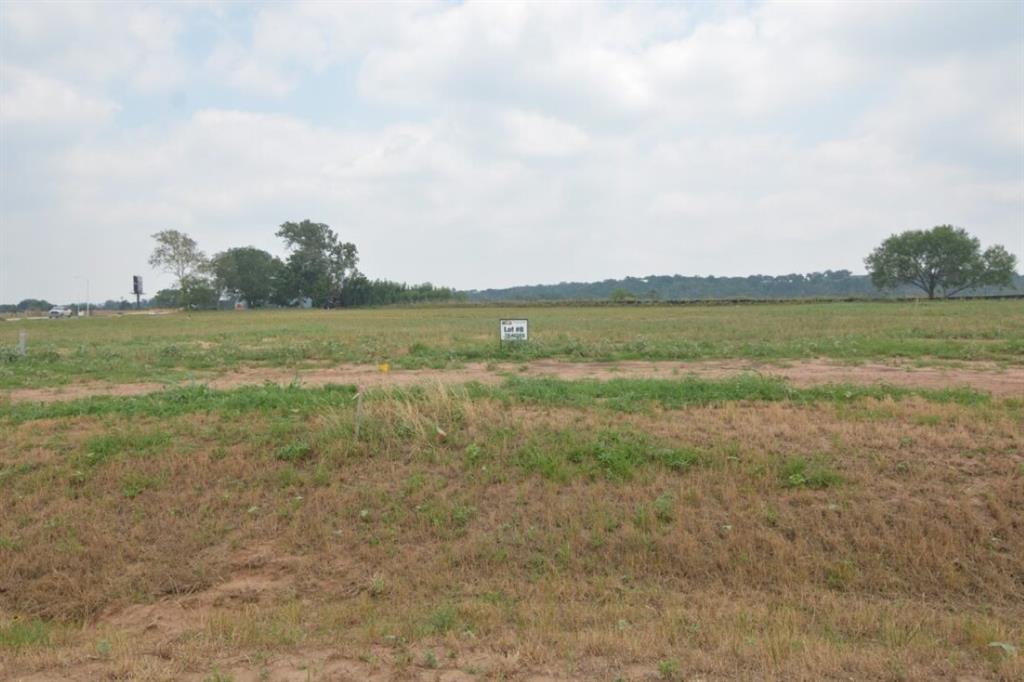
x=247, y=273
x=178, y=254
x=198, y=292
x=944, y=259
x=319, y=263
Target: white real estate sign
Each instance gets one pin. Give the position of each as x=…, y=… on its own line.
x=514, y=330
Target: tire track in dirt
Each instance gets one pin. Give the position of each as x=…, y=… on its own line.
x=1008, y=382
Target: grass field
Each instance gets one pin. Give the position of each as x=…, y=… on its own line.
x=678, y=526
x=180, y=346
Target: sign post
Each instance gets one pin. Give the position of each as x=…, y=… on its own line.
x=137, y=290
x=513, y=330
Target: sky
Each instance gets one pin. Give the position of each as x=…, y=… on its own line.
x=493, y=144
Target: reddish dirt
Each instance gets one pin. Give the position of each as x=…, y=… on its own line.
x=980, y=376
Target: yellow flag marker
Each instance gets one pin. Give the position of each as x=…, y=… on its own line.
x=384, y=367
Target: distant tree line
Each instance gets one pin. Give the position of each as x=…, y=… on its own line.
x=42, y=305
x=319, y=271
x=831, y=283
x=943, y=261
x=828, y=284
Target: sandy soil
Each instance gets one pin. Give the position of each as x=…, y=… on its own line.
x=980, y=376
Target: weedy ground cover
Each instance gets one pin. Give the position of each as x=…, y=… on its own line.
x=638, y=529
x=183, y=346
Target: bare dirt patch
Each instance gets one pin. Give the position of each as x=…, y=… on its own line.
x=256, y=575
x=980, y=376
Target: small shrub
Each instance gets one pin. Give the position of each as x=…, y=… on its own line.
x=441, y=620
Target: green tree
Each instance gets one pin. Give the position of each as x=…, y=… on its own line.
x=318, y=264
x=165, y=298
x=943, y=259
x=247, y=273
x=178, y=254
x=198, y=292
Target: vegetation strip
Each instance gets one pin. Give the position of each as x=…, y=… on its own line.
x=197, y=346
x=616, y=394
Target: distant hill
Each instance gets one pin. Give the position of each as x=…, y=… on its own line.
x=828, y=284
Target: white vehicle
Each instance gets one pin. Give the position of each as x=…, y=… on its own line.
x=60, y=311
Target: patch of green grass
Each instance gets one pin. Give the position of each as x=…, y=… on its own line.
x=801, y=472
x=840, y=574
x=614, y=454
x=20, y=634
x=447, y=516
x=100, y=448
x=289, y=477
x=9, y=472
x=669, y=669
x=294, y=452
x=268, y=399
x=134, y=485
x=441, y=620
x=618, y=394
x=217, y=676
x=633, y=394
x=664, y=506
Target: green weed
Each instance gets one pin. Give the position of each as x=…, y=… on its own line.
x=294, y=452
x=800, y=472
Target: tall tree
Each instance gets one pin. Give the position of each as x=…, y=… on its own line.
x=943, y=259
x=319, y=262
x=178, y=254
x=247, y=273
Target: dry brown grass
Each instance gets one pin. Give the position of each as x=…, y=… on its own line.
x=191, y=546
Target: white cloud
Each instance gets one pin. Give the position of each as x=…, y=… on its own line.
x=99, y=44
x=532, y=134
x=31, y=98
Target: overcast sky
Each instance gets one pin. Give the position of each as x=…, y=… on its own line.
x=492, y=144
